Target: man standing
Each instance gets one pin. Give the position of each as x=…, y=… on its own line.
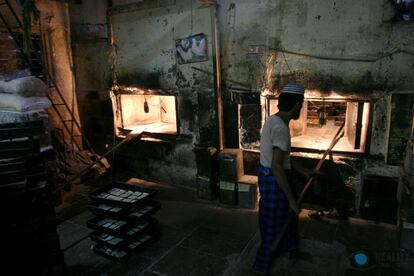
x=276, y=193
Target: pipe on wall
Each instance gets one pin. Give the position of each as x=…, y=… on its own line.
x=218, y=79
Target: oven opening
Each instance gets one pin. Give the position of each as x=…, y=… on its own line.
x=321, y=118
x=140, y=110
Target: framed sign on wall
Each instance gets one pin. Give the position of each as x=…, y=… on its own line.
x=191, y=49
x=405, y=10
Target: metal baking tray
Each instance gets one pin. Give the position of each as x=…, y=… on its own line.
x=14, y=187
x=106, y=210
x=125, y=213
x=139, y=228
x=25, y=188
x=19, y=147
x=17, y=177
x=108, y=225
x=123, y=194
x=23, y=129
x=108, y=240
x=12, y=165
x=147, y=210
x=142, y=242
x=18, y=169
x=115, y=254
x=113, y=242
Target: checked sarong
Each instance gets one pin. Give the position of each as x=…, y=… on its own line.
x=273, y=211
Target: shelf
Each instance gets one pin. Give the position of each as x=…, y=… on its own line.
x=123, y=222
x=125, y=213
x=121, y=194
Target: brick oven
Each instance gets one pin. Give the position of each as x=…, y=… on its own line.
x=321, y=116
x=361, y=154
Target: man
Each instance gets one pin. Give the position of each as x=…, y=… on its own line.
x=276, y=193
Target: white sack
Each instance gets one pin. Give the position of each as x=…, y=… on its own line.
x=27, y=87
x=8, y=116
x=18, y=103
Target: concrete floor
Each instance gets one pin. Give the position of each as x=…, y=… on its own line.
x=206, y=238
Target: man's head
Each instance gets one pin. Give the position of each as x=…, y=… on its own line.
x=291, y=99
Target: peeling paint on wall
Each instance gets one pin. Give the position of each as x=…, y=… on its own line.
x=363, y=36
x=401, y=120
x=144, y=36
x=250, y=119
x=301, y=43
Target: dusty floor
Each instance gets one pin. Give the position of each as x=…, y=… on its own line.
x=205, y=238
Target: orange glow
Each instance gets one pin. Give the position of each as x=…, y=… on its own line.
x=309, y=132
x=142, y=112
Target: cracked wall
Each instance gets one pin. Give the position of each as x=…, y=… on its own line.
x=336, y=45
x=144, y=36
x=90, y=50
x=345, y=46
x=342, y=46
x=330, y=45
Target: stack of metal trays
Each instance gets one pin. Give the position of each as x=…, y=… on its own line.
x=21, y=167
x=23, y=129
x=29, y=222
x=123, y=221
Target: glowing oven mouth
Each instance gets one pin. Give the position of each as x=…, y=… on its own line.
x=141, y=110
x=320, y=119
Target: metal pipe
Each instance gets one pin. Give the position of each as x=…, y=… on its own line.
x=218, y=79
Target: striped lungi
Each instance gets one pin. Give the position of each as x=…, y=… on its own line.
x=273, y=211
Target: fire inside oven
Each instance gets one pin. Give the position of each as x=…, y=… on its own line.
x=142, y=110
x=321, y=118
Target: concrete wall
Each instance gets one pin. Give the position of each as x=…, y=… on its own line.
x=145, y=40
x=345, y=46
x=144, y=35
x=91, y=49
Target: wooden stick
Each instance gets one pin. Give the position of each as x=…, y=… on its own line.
x=291, y=214
x=129, y=137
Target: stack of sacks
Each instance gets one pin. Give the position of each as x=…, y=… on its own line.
x=25, y=99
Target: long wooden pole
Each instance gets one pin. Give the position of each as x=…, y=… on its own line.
x=291, y=214
x=129, y=137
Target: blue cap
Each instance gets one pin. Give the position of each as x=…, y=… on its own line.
x=293, y=88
